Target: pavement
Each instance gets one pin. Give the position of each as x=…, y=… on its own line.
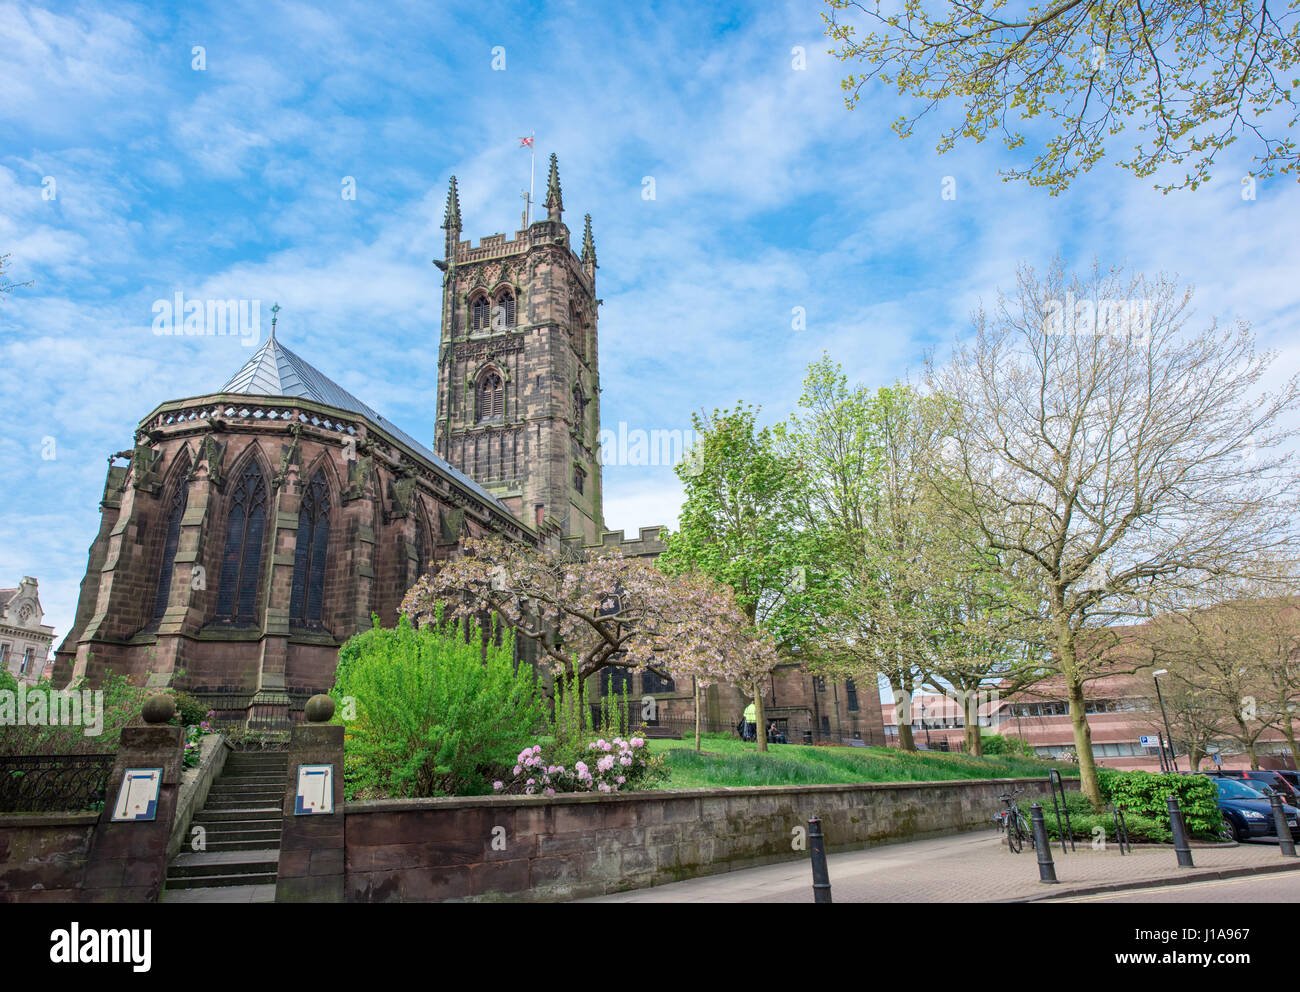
x=976, y=867
x=1277, y=888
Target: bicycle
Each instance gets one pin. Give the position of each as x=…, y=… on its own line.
x=1013, y=821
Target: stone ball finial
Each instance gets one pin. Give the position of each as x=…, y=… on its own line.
x=319, y=709
x=158, y=708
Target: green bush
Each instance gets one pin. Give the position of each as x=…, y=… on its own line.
x=997, y=744
x=1144, y=794
x=569, y=720
x=1084, y=822
x=121, y=703
x=189, y=710
x=432, y=711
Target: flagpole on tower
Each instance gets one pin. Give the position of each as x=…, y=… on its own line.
x=531, y=145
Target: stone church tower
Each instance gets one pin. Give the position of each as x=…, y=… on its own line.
x=518, y=371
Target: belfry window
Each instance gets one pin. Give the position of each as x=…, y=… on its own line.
x=176, y=510
x=579, y=479
x=241, y=562
x=307, y=594
x=506, y=305
x=577, y=333
x=480, y=313
x=491, y=397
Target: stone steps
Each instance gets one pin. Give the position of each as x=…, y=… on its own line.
x=242, y=818
x=238, y=813
x=215, y=881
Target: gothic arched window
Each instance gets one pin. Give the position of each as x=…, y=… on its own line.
x=176, y=510
x=491, y=396
x=241, y=562
x=307, y=594
x=578, y=332
x=506, y=302
x=480, y=313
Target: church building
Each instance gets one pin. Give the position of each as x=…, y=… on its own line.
x=248, y=532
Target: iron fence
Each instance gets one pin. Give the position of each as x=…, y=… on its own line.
x=274, y=714
x=54, y=783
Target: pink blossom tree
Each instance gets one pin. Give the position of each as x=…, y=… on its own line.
x=602, y=610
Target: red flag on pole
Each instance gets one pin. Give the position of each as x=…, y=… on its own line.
x=525, y=142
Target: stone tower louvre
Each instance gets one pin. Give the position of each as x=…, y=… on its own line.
x=518, y=372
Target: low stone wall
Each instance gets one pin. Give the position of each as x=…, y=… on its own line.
x=195, y=783
x=43, y=856
x=572, y=846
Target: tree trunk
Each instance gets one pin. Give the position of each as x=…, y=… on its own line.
x=1254, y=757
x=759, y=726
x=906, y=742
x=698, y=704
x=1289, y=734
x=1089, y=784
x=905, y=739
x=1068, y=666
x=974, y=743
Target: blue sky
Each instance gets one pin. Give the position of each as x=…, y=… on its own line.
x=769, y=195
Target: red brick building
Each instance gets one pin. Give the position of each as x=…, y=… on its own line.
x=1121, y=710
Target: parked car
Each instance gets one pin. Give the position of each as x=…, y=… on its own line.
x=1265, y=780
x=1247, y=811
x=1290, y=776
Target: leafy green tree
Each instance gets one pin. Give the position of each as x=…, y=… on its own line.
x=737, y=527
x=432, y=710
x=1192, y=78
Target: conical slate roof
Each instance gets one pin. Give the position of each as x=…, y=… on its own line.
x=274, y=370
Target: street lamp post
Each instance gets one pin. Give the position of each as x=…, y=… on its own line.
x=925, y=725
x=1155, y=677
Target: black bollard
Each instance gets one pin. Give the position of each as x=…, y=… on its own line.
x=817, y=848
x=1285, y=839
x=1181, y=846
x=1046, y=867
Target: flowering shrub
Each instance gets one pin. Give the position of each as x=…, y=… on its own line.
x=616, y=765
x=193, y=732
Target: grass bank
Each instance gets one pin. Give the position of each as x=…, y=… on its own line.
x=727, y=761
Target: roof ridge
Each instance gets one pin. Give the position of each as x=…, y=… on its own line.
x=275, y=370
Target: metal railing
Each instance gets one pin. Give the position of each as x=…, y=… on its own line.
x=244, y=711
x=54, y=783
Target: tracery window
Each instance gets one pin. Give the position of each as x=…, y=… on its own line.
x=241, y=562
x=506, y=305
x=176, y=510
x=307, y=594
x=491, y=396
x=480, y=313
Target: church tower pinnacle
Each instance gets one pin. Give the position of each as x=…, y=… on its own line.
x=588, y=247
x=554, y=198
x=518, y=370
x=451, y=219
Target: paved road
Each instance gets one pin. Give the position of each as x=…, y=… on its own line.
x=972, y=867
x=1260, y=888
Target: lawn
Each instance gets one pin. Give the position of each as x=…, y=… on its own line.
x=727, y=761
